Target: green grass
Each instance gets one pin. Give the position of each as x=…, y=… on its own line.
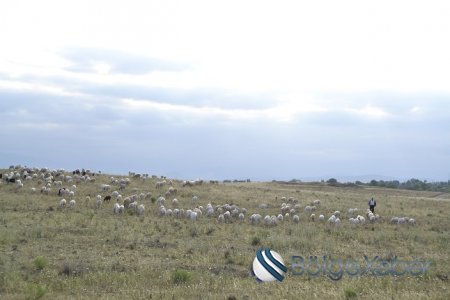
x=91, y=253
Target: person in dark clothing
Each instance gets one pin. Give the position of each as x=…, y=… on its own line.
x=372, y=204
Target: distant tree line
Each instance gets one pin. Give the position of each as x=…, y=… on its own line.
x=411, y=184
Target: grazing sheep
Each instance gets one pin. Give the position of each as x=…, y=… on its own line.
x=267, y=220
x=227, y=216
x=353, y=221
x=412, y=222
x=220, y=218
x=62, y=203
x=331, y=219
x=160, y=184
x=280, y=217
x=161, y=200
x=337, y=214
x=361, y=220
x=72, y=203
x=255, y=218
x=352, y=211
x=316, y=202
x=33, y=190
x=121, y=209
x=99, y=203
x=115, y=208
x=194, y=216
x=321, y=218
x=337, y=222
x=296, y=218
x=175, y=202
x=309, y=208
x=162, y=211
x=133, y=205
x=194, y=199
x=312, y=217
x=141, y=210
x=273, y=220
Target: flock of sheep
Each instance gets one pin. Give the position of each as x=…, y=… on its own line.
x=289, y=211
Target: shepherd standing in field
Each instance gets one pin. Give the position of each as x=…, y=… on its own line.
x=372, y=204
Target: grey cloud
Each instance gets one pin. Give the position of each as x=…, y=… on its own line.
x=119, y=61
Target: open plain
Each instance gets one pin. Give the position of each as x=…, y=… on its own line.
x=89, y=252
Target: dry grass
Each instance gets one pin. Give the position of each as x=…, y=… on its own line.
x=90, y=253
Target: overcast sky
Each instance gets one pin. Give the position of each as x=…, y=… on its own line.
x=228, y=89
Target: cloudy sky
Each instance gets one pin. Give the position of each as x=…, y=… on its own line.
x=228, y=89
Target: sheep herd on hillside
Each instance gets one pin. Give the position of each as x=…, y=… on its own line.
x=59, y=182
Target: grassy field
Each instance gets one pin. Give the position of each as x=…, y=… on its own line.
x=89, y=253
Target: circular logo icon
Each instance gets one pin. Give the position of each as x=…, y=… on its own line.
x=268, y=265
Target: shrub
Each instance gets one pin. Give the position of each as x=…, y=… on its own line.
x=40, y=262
x=350, y=293
x=180, y=276
x=256, y=240
x=35, y=291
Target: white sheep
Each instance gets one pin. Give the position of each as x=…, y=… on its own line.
x=337, y=222
x=62, y=203
x=133, y=205
x=321, y=218
x=161, y=200
x=194, y=216
x=162, y=211
x=280, y=217
x=141, y=210
x=194, y=199
x=412, y=222
x=175, y=202
x=115, y=208
x=220, y=218
x=273, y=220
x=99, y=203
x=296, y=218
x=72, y=203
x=227, y=216
x=316, y=202
x=309, y=208
x=361, y=220
x=332, y=219
x=352, y=211
x=312, y=217
x=255, y=218
x=394, y=220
